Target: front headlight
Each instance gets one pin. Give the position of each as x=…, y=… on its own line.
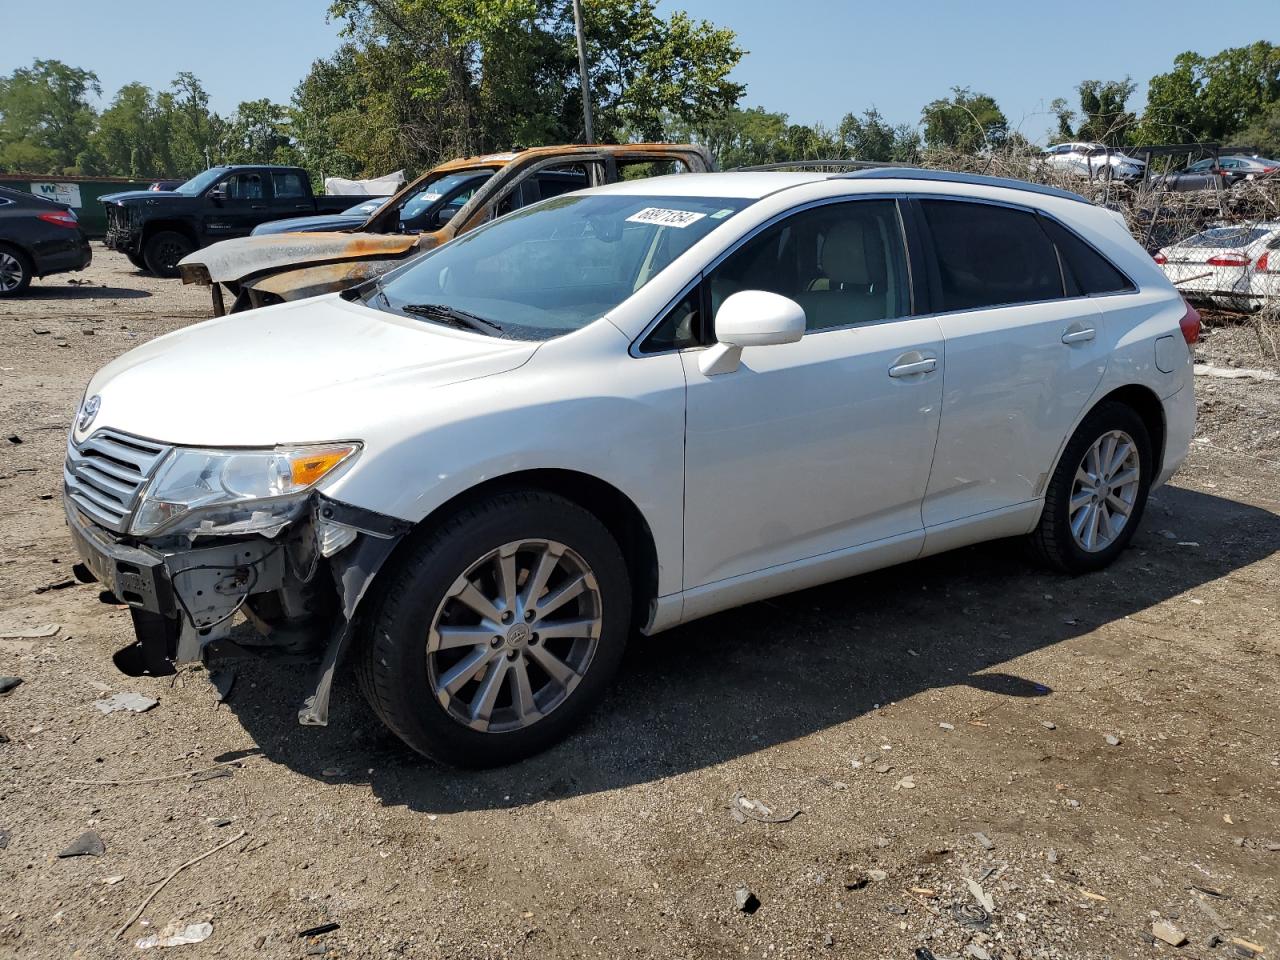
x=234, y=491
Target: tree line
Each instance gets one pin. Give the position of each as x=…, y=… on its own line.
x=418, y=81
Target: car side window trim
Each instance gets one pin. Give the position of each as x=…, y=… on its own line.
x=704, y=326
x=1133, y=286
x=935, y=283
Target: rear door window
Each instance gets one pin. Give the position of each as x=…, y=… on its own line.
x=1084, y=269
x=989, y=256
x=288, y=185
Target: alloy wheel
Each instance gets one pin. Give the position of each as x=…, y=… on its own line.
x=1104, y=491
x=11, y=272
x=514, y=635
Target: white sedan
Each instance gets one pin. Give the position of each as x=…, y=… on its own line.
x=623, y=409
x=1092, y=160
x=1236, y=267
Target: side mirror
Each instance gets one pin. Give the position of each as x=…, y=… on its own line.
x=218, y=194
x=445, y=214
x=751, y=318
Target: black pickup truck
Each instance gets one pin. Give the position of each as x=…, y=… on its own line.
x=156, y=229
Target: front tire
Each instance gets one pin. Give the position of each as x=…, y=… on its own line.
x=163, y=250
x=137, y=260
x=1095, y=500
x=498, y=631
x=15, y=271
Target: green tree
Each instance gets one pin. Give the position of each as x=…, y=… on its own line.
x=1210, y=98
x=871, y=137
x=133, y=135
x=1103, y=117
x=196, y=131
x=46, y=117
x=965, y=121
x=1263, y=133
x=428, y=79
x=258, y=132
x=1102, y=107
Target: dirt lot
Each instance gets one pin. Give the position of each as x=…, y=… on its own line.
x=902, y=714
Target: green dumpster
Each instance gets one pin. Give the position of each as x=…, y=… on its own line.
x=80, y=193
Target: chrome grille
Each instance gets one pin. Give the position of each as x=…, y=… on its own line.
x=105, y=474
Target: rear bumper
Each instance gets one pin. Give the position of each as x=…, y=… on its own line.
x=1179, y=428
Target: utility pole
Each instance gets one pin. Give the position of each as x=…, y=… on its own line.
x=582, y=71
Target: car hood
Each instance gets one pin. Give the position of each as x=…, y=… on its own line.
x=320, y=224
x=318, y=370
x=231, y=261
x=156, y=196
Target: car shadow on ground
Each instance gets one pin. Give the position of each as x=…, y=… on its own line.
x=768, y=673
x=53, y=290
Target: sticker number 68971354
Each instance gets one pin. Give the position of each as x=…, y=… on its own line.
x=664, y=217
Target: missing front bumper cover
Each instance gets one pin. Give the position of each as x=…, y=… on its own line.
x=183, y=597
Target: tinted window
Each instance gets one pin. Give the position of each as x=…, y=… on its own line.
x=843, y=262
x=1086, y=270
x=679, y=328
x=244, y=186
x=288, y=186
x=990, y=255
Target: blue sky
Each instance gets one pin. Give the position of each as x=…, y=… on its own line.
x=811, y=59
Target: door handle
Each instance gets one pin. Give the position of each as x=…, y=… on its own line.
x=302, y=206
x=913, y=367
x=1078, y=335
x=257, y=206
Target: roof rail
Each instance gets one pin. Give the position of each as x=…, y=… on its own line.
x=812, y=165
x=950, y=176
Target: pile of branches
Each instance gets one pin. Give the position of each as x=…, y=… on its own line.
x=1155, y=216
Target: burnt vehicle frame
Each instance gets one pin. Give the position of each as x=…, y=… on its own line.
x=287, y=267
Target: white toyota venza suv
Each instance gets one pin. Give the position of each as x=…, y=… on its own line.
x=623, y=409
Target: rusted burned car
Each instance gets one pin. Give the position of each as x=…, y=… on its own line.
x=446, y=201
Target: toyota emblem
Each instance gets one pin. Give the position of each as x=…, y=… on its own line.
x=88, y=412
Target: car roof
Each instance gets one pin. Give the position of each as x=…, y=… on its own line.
x=758, y=184
x=744, y=185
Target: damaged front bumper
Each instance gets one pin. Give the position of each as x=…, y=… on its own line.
x=304, y=583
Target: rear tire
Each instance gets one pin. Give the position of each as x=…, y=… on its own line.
x=472, y=689
x=1094, y=503
x=15, y=271
x=163, y=250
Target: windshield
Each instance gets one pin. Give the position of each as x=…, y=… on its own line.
x=364, y=208
x=200, y=182
x=552, y=268
x=1226, y=237
x=413, y=214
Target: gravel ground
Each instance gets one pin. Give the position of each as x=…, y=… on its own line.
x=1097, y=755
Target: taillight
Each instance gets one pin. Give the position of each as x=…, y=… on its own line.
x=62, y=218
x=1190, y=325
x=1262, y=265
x=1161, y=259
x=1229, y=260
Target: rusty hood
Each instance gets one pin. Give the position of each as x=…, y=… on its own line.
x=240, y=259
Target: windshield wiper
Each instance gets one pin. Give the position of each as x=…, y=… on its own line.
x=451, y=315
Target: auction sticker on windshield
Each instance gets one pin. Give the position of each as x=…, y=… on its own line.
x=663, y=217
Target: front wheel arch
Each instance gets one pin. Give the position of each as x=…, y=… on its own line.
x=624, y=520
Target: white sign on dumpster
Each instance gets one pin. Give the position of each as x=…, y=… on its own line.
x=68, y=193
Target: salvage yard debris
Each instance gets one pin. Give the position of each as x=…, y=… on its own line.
x=135, y=702
x=165, y=882
x=744, y=808
x=175, y=934
x=88, y=844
